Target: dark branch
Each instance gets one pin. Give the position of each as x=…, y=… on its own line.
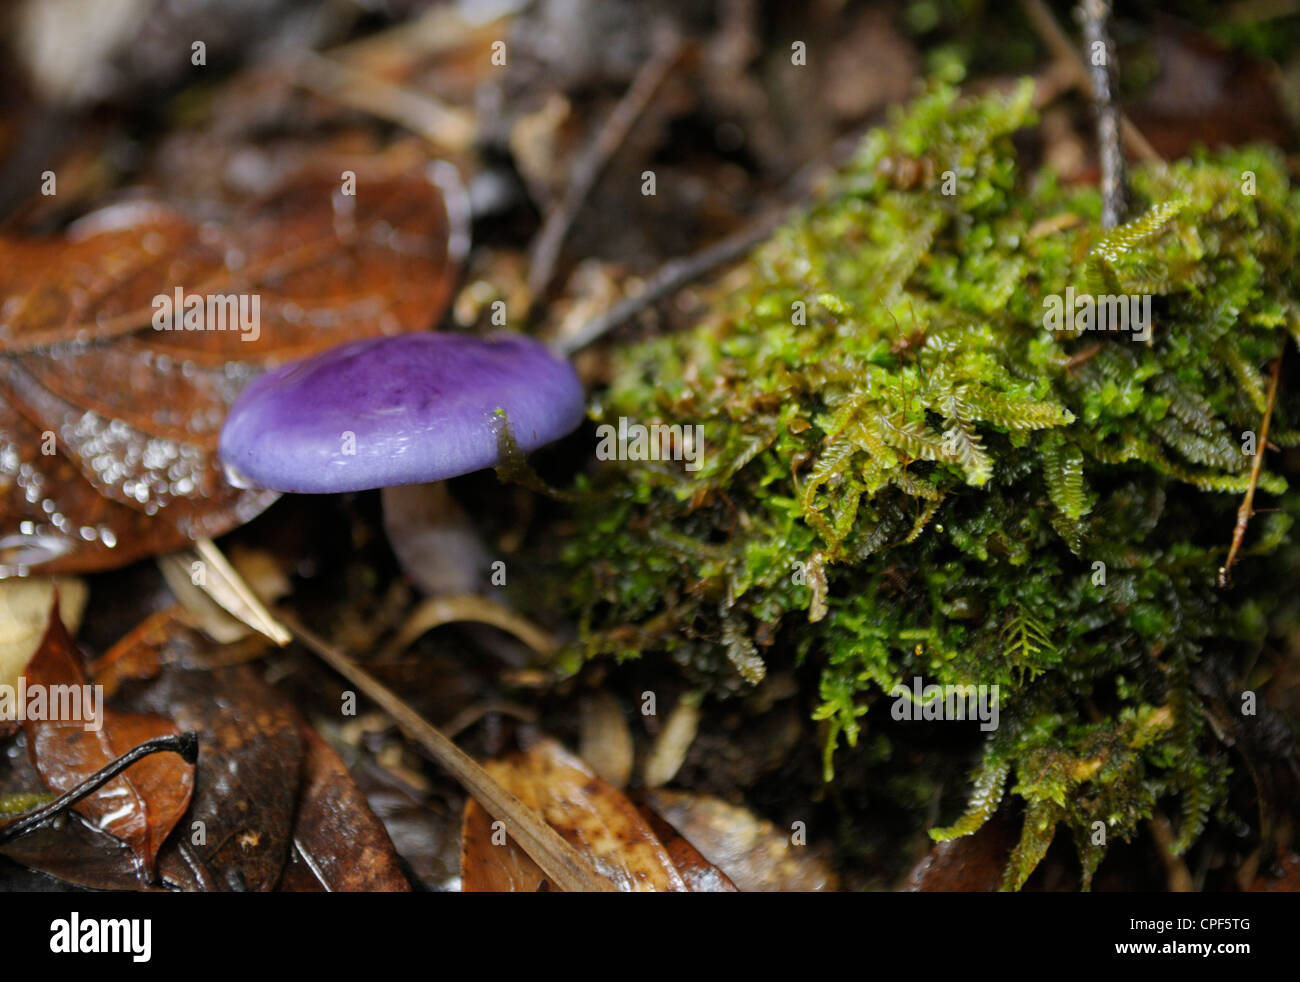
x=1099, y=56
x=185, y=744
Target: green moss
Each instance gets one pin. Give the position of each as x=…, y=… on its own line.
x=905, y=474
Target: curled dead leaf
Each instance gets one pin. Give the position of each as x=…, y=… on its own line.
x=25, y=613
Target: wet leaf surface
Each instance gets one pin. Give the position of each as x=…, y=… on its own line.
x=67, y=851
x=490, y=861
x=587, y=810
x=132, y=413
x=752, y=852
x=250, y=758
x=970, y=863
x=701, y=876
x=335, y=834
x=142, y=805
x=426, y=835
x=273, y=806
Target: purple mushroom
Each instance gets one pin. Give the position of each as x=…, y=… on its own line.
x=409, y=409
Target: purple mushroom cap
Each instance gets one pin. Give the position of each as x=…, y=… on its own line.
x=399, y=410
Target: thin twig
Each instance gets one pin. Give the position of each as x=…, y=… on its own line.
x=470, y=715
x=545, y=250
x=1178, y=879
x=1247, y=508
x=676, y=273
x=1079, y=357
x=185, y=744
x=1101, y=75
x=671, y=277
x=567, y=868
x=1041, y=19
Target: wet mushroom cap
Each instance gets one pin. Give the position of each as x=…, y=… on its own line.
x=398, y=410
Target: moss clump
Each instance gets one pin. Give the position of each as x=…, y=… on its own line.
x=906, y=474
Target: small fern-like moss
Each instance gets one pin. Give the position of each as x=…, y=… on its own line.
x=904, y=467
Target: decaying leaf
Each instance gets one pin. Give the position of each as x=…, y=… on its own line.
x=168, y=637
x=273, y=807
x=588, y=811
x=108, y=427
x=25, y=612
x=753, y=852
x=335, y=833
x=69, y=848
x=240, y=823
x=490, y=861
x=701, y=876
x=140, y=806
x=969, y=864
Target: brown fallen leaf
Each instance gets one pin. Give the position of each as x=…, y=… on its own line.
x=752, y=852
x=138, y=654
x=237, y=833
x=109, y=427
x=701, y=876
x=1282, y=877
x=167, y=637
x=586, y=810
x=298, y=876
x=969, y=864
x=25, y=613
x=335, y=834
x=140, y=806
x=490, y=861
x=425, y=833
x=273, y=807
x=69, y=848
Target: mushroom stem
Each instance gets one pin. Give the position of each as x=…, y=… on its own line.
x=567, y=868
